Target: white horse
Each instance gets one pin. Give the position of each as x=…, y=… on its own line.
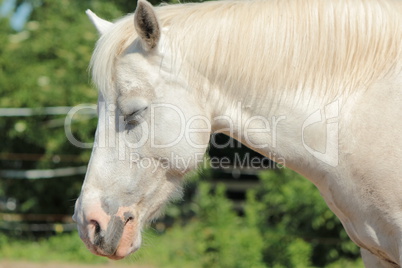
x=314, y=84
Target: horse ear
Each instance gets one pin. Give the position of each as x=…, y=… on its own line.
x=146, y=24
x=100, y=24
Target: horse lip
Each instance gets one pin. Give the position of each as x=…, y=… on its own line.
x=112, y=256
x=100, y=253
x=115, y=257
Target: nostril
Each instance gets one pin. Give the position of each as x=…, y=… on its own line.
x=129, y=219
x=97, y=228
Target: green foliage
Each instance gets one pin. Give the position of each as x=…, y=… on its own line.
x=297, y=222
x=217, y=237
x=224, y=238
x=61, y=248
x=286, y=223
x=265, y=236
x=47, y=65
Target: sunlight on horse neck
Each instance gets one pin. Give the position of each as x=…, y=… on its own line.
x=267, y=51
x=278, y=58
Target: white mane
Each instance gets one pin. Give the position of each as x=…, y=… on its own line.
x=255, y=47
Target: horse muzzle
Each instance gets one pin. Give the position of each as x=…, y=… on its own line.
x=112, y=236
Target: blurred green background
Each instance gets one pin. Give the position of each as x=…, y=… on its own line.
x=236, y=218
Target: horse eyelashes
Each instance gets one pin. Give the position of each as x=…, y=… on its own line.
x=134, y=118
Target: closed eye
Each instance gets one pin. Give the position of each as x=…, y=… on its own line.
x=135, y=118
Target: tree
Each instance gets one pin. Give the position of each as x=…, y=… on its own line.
x=46, y=65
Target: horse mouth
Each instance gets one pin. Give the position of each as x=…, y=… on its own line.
x=114, y=257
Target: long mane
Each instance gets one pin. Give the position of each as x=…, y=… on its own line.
x=330, y=47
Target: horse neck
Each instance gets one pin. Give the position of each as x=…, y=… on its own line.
x=266, y=115
x=285, y=128
x=285, y=83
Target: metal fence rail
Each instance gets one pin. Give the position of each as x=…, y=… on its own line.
x=36, y=223
x=60, y=110
x=43, y=173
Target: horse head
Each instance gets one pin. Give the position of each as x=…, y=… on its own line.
x=145, y=140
